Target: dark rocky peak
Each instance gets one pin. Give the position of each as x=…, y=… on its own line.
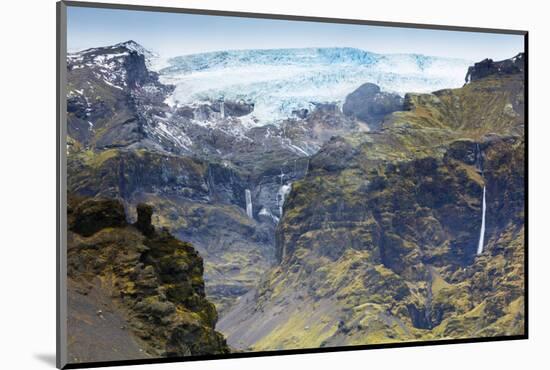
x=369, y=104
x=488, y=67
x=120, y=65
x=126, y=48
x=133, y=46
x=143, y=223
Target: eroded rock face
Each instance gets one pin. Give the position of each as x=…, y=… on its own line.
x=147, y=282
x=370, y=105
x=200, y=202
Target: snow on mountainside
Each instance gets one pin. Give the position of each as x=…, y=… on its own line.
x=279, y=81
x=109, y=62
x=219, y=104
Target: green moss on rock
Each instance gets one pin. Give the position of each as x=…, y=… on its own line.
x=153, y=279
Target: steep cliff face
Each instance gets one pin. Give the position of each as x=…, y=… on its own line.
x=133, y=291
x=378, y=243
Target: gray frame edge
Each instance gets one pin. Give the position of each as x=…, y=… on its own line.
x=288, y=17
x=61, y=188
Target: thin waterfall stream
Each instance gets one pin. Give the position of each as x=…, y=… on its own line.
x=248, y=197
x=483, y=204
x=482, y=230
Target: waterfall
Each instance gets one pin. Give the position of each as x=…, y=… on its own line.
x=281, y=177
x=281, y=195
x=479, y=164
x=482, y=231
x=222, y=108
x=248, y=203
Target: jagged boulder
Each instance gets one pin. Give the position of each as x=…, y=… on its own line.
x=237, y=108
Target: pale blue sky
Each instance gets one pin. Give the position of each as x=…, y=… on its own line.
x=171, y=34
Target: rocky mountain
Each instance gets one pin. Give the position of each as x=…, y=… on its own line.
x=111, y=93
x=133, y=291
x=194, y=162
x=379, y=241
x=352, y=215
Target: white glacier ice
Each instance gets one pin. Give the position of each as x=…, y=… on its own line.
x=279, y=81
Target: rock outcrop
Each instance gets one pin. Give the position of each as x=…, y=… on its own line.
x=488, y=67
x=369, y=104
x=134, y=292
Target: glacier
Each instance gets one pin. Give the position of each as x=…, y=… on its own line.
x=279, y=81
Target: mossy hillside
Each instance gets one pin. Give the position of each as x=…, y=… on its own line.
x=431, y=195
x=154, y=281
x=404, y=205
x=491, y=105
x=380, y=278
x=325, y=303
